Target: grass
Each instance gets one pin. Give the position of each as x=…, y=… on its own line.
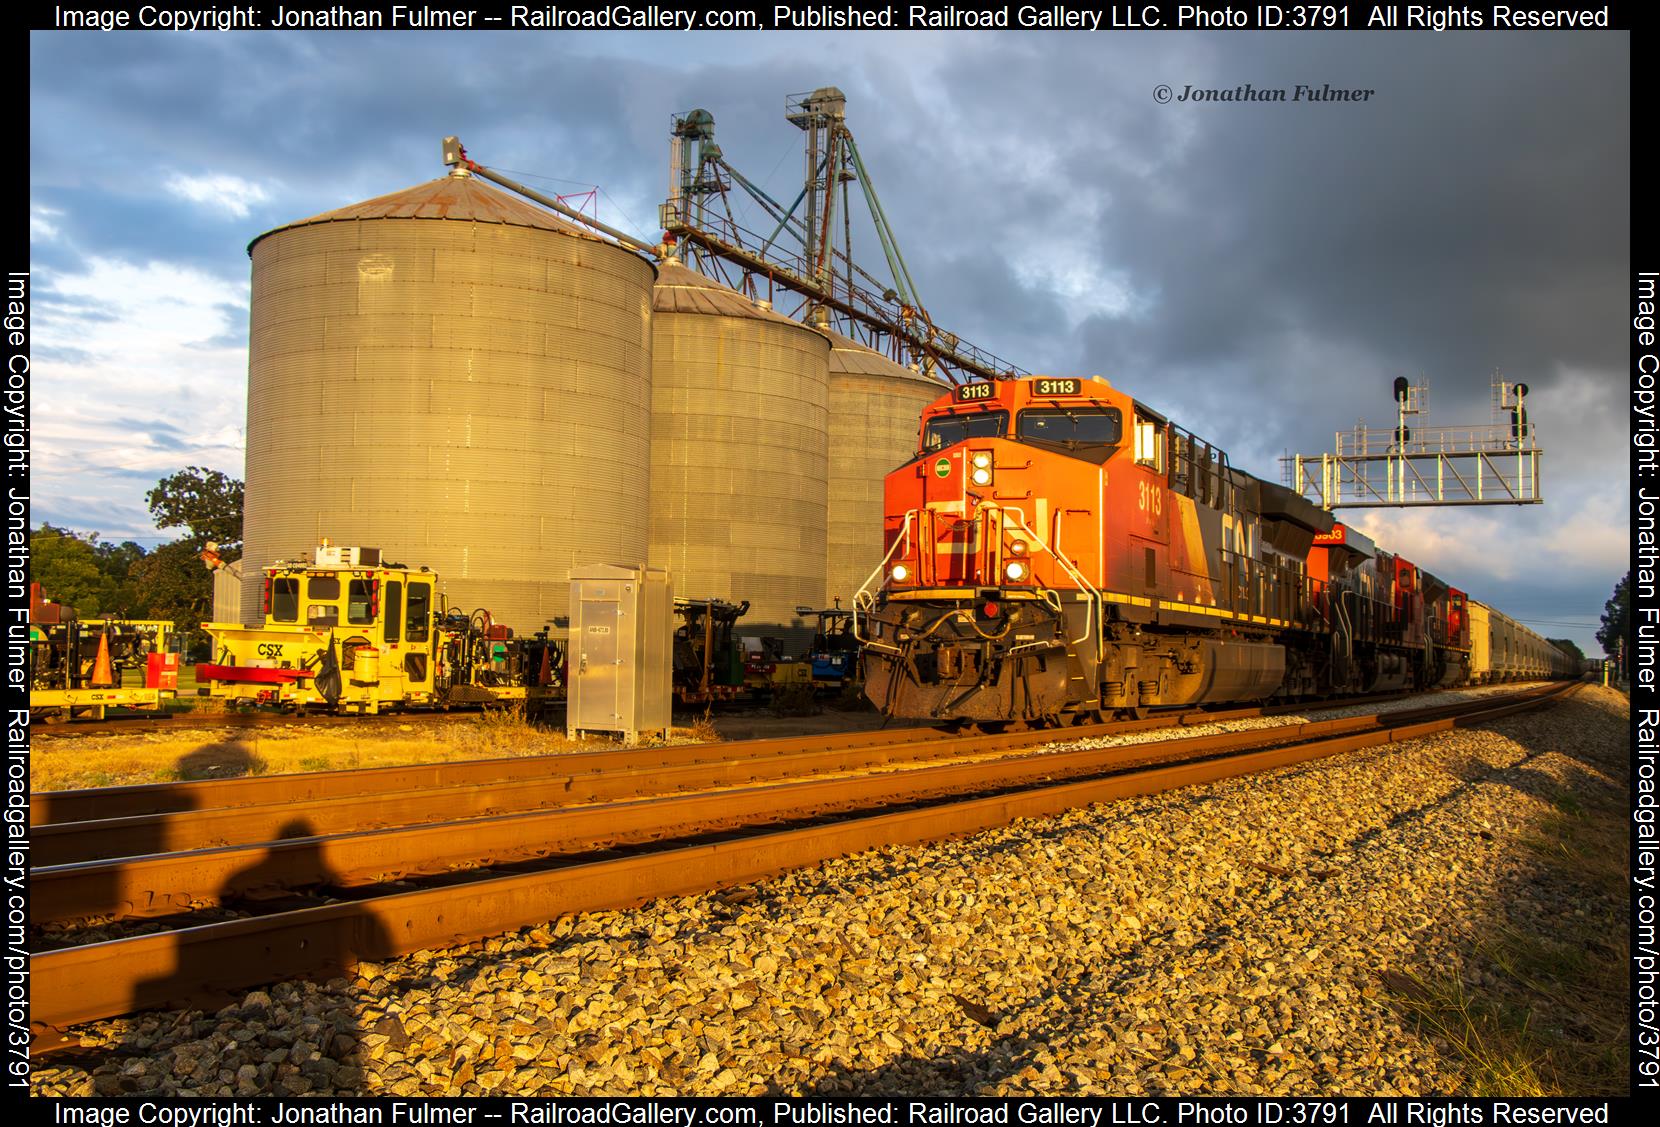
x=226, y=752
x=1552, y=1017
x=703, y=729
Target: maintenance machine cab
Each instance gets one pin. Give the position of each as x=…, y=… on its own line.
x=834, y=652
x=351, y=633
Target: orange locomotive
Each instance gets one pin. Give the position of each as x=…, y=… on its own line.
x=1059, y=551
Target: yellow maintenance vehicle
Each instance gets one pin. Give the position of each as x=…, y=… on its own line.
x=80, y=668
x=349, y=632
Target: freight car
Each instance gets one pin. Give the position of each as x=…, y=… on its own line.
x=1059, y=551
x=348, y=632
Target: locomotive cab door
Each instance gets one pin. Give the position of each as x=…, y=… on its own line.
x=1149, y=523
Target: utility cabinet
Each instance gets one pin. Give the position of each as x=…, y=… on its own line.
x=621, y=651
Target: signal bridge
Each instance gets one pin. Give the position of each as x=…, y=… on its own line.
x=1411, y=464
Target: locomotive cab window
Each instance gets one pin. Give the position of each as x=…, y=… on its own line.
x=1102, y=426
x=948, y=430
x=420, y=611
x=285, y=599
x=359, y=607
x=1149, y=444
x=322, y=596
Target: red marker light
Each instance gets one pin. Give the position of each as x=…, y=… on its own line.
x=990, y=610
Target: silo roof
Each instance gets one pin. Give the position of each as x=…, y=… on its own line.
x=448, y=197
x=849, y=357
x=681, y=289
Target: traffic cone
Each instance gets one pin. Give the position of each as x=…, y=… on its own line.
x=103, y=676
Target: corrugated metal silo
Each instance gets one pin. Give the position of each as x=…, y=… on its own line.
x=458, y=378
x=875, y=410
x=738, y=449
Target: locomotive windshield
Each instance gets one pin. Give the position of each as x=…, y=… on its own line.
x=1095, y=425
x=948, y=430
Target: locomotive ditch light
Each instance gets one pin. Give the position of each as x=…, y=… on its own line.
x=1016, y=571
x=900, y=573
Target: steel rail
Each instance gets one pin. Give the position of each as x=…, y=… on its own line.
x=175, y=883
x=104, y=980
x=549, y=782
x=59, y=807
x=98, y=803
x=541, y=783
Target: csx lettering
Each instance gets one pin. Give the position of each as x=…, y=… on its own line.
x=270, y=649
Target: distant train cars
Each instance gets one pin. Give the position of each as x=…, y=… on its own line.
x=1059, y=550
x=1505, y=650
x=348, y=632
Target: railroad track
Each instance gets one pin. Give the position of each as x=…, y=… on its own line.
x=56, y=807
x=617, y=829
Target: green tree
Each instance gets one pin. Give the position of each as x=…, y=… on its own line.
x=1616, y=616
x=206, y=503
x=117, y=562
x=69, y=571
x=172, y=584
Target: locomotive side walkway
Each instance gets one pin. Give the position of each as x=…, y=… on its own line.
x=1226, y=937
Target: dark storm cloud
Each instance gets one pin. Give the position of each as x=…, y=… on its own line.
x=1472, y=215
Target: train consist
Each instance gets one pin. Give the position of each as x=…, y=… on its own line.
x=1059, y=551
x=348, y=632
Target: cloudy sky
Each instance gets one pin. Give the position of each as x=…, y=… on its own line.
x=1260, y=271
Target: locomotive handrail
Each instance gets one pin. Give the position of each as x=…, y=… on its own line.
x=864, y=592
x=1072, y=571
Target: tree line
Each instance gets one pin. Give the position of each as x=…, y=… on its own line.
x=124, y=580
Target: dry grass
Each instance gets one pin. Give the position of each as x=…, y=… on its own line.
x=1553, y=1018
x=226, y=752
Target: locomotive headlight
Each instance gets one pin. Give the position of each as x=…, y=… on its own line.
x=1016, y=571
x=900, y=573
x=980, y=477
x=980, y=467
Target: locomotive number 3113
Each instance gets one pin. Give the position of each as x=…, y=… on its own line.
x=1151, y=497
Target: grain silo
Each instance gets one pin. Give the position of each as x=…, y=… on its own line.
x=738, y=450
x=875, y=414
x=458, y=378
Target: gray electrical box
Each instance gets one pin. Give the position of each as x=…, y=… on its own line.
x=621, y=651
